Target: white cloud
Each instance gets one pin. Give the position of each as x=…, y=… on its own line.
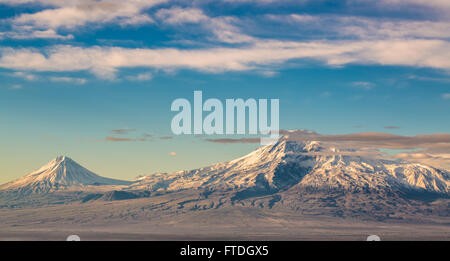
x=363, y=85
x=365, y=27
x=222, y=27
x=25, y=75
x=446, y=96
x=71, y=14
x=269, y=73
x=260, y=1
x=137, y=20
x=49, y=34
x=57, y=15
x=68, y=80
x=104, y=61
x=375, y=29
x=437, y=4
x=141, y=77
x=225, y=31
x=25, y=33
x=304, y=18
x=441, y=160
x=178, y=15
x=429, y=3
x=16, y=2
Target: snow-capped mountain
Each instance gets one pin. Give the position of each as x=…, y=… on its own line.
x=59, y=174
x=311, y=176
x=310, y=164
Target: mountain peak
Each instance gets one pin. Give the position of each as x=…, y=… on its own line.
x=60, y=173
x=291, y=162
x=62, y=158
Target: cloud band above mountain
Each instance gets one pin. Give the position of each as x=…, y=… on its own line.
x=104, y=61
x=432, y=148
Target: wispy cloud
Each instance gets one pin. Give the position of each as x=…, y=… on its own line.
x=140, y=77
x=178, y=15
x=438, y=4
x=364, y=28
x=16, y=87
x=433, y=148
x=429, y=78
x=123, y=131
x=363, y=85
x=221, y=27
x=446, y=96
x=136, y=20
x=227, y=42
x=382, y=140
x=118, y=139
x=104, y=61
x=391, y=127
x=68, y=80
x=26, y=32
x=72, y=14
x=369, y=139
x=234, y=141
x=34, y=77
x=115, y=139
x=425, y=157
x=25, y=75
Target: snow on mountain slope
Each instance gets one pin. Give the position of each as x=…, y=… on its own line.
x=285, y=165
x=237, y=173
x=289, y=163
x=60, y=173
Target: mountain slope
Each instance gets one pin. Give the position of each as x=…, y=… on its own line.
x=59, y=174
x=310, y=164
x=311, y=178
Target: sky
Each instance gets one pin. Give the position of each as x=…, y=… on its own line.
x=94, y=80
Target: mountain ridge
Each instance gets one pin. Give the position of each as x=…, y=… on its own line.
x=287, y=163
x=311, y=177
x=281, y=165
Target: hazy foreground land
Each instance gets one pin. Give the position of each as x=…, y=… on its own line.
x=122, y=221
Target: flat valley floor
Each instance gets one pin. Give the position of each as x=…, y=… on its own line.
x=124, y=221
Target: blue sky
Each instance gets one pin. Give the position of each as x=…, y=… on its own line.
x=94, y=80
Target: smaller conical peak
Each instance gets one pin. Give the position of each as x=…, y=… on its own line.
x=58, y=161
x=62, y=158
